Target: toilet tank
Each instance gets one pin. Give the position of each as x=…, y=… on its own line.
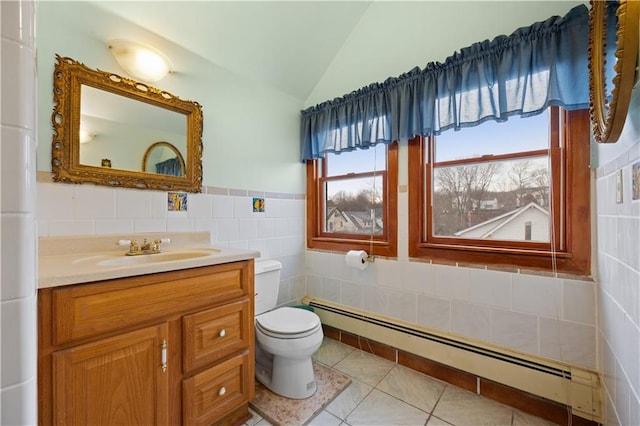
x=267, y=284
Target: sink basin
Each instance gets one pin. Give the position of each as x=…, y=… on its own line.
x=121, y=259
x=155, y=258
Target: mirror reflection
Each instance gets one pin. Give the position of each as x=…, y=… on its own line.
x=121, y=129
x=163, y=158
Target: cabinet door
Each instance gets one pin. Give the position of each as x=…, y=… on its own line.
x=118, y=380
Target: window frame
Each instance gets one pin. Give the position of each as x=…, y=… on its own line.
x=384, y=244
x=567, y=252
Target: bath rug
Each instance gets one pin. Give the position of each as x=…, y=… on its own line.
x=281, y=411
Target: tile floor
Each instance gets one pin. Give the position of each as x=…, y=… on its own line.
x=384, y=393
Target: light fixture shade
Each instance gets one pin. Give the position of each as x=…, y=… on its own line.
x=140, y=61
x=86, y=135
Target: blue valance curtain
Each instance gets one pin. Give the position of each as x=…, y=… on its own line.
x=524, y=73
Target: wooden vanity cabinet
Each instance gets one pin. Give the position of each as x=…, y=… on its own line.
x=161, y=349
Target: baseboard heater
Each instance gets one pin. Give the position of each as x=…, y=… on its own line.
x=564, y=383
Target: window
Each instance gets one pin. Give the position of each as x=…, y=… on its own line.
x=352, y=201
x=513, y=193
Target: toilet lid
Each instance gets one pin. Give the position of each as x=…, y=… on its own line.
x=288, y=320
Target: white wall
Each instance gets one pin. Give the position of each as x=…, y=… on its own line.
x=18, y=342
x=618, y=258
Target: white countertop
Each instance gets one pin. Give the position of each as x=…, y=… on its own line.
x=74, y=260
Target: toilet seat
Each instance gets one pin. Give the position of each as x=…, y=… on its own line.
x=288, y=323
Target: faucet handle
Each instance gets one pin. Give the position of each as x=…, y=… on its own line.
x=156, y=243
x=133, y=247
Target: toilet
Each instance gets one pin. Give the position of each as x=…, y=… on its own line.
x=286, y=338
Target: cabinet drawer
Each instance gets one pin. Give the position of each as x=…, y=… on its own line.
x=211, y=335
x=210, y=395
x=92, y=309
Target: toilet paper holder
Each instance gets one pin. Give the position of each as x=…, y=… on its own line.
x=358, y=259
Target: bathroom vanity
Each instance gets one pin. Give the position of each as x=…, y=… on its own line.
x=138, y=346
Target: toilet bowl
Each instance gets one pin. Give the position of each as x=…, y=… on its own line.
x=286, y=339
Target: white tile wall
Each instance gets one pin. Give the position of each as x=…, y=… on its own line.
x=537, y=295
x=18, y=338
x=278, y=233
x=434, y=312
x=524, y=312
x=618, y=296
x=516, y=330
x=471, y=320
x=518, y=311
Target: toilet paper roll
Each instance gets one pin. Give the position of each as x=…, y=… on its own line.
x=357, y=259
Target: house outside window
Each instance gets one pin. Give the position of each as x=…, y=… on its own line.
x=352, y=201
x=513, y=193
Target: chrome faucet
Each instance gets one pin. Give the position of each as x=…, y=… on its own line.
x=152, y=247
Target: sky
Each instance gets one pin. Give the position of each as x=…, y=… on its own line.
x=515, y=135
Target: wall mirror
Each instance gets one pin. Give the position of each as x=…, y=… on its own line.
x=613, y=58
x=111, y=130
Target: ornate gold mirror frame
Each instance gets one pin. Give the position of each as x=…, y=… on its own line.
x=608, y=116
x=68, y=78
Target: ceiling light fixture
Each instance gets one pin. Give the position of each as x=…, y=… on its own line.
x=140, y=61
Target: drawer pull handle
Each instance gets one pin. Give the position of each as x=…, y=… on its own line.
x=222, y=391
x=163, y=355
x=222, y=333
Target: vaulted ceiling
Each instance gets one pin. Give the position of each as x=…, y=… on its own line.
x=290, y=45
x=286, y=44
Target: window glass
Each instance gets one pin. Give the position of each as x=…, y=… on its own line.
x=354, y=206
x=501, y=200
x=358, y=161
x=352, y=201
x=493, y=138
x=519, y=199
x=488, y=186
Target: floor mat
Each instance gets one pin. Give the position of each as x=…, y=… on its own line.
x=281, y=411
